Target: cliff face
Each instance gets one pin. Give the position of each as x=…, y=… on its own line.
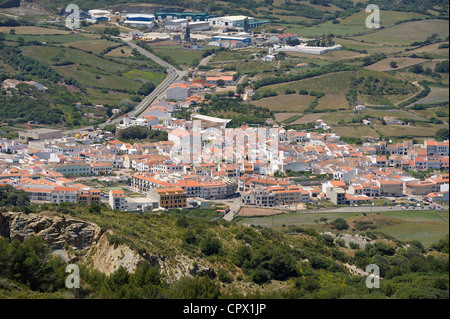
x=75, y=240
x=54, y=230
x=78, y=241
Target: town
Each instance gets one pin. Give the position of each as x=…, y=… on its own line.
x=266, y=149
x=303, y=169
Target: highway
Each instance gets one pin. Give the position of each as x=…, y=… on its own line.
x=158, y=93
x=173, y=75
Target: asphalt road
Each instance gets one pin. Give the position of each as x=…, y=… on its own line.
x=158, y=93
x=173, y=75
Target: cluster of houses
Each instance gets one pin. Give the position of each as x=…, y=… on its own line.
x=205, y=160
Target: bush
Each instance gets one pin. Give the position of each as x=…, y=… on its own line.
x=340, y=224
x=210, y=246
x=224, y=276
x=340, y=242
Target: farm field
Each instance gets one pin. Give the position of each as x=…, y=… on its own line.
x=354, y=24
x=96, y=46
x=331, y=56
x=432, y=50
x=337, y=82
x=431, y=112
x=286, y=102
x=437, y=94
x=357, y=131
x=280, y=117
x=332, y=101
x=413, y=131
x=91, y=70
x=423, y=225
x=33, y=30
x=370, y=47
x=178, y=54
x=309, y=118
x=384, y=65
x=408, y=32
x=401, y=114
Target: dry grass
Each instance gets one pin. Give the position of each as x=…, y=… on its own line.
x=332, y=101
x=32, y=30
x=118, y=52
x=384, y=65
x=286, y=102
x=255, y=211
x=405, y=130
x=280, y=117
x=355, y=131
x=309, y=118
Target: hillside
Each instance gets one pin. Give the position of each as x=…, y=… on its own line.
x=186, y=249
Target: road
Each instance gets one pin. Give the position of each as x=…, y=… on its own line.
x=158, y=93
x=234, y=209
x=173, y=75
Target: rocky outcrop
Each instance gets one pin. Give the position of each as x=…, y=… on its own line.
x=78, y=241
x=72, y=239
x=57, y=232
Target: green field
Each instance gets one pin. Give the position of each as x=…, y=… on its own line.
x=286, y=102
x=179, y=54
x=92, y=70
x=407, y=33
x=354, y=24
x=337, y=82
x=423, y=225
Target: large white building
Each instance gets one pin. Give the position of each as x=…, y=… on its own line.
x=176, y=24
x=139, y=19
x=228, y=21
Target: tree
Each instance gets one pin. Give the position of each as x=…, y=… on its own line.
x=95, y=208
x=246, y=26
x=442, y=67
x=210, y=246
x=187, y=34
x=146, y=88
x=221, y=83
x=195, y=288
x=441, y=134
x=340, y=224
x=393, y=65
x=417, y=69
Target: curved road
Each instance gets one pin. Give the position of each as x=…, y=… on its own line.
x=173, y=75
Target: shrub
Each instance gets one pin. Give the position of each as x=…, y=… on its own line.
x=210, y=246
x=224, y=276
x=340, y=224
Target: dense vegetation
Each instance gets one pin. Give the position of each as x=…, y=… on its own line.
x=306, y=264
x=142, y=133
x=239, y=113
x=13, y=198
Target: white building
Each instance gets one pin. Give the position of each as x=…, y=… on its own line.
x=303, y=48
x=176, y=24
x=148, y=121
x=117, y=200
x=139, y=19
x=228, y=21
x=141, y=204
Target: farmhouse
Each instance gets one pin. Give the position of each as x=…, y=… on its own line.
x=283, y=38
